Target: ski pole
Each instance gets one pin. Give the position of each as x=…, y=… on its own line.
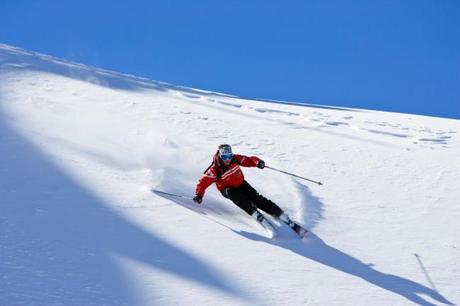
x=172, y=194
x=300, y=177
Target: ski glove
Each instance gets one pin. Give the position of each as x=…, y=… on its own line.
x=198, y=199
x=261, y=164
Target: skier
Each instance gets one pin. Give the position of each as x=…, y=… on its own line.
x=225, y=171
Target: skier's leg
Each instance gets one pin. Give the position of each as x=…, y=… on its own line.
x=271, y=208
x=260, y=201
x=237, y=196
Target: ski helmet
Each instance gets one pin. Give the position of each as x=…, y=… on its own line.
x=225, y=152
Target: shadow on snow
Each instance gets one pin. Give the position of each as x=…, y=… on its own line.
x=59, y=242
x=314, y=248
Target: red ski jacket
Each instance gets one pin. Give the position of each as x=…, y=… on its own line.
x=225, y=176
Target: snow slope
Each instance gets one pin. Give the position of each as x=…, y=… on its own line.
x=80, y=148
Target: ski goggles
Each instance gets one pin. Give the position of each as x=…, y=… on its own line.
x=226, y=156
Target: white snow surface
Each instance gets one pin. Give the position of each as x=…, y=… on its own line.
x=81, y=147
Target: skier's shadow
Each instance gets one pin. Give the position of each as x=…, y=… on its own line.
x=314, y=248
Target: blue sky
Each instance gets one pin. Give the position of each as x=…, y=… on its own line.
x=393, y=55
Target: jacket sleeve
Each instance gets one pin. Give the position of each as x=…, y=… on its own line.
x=205, y=181
x=247, y=161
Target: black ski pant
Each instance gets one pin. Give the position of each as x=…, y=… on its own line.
x=248, y=199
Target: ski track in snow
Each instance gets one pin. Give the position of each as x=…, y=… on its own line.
x=81, y=149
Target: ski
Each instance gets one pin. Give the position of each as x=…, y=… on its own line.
x=265, y=223
x=299, y=230
x=270, y=229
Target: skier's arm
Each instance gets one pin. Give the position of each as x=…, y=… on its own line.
x=247, y=161
x=205, y=181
